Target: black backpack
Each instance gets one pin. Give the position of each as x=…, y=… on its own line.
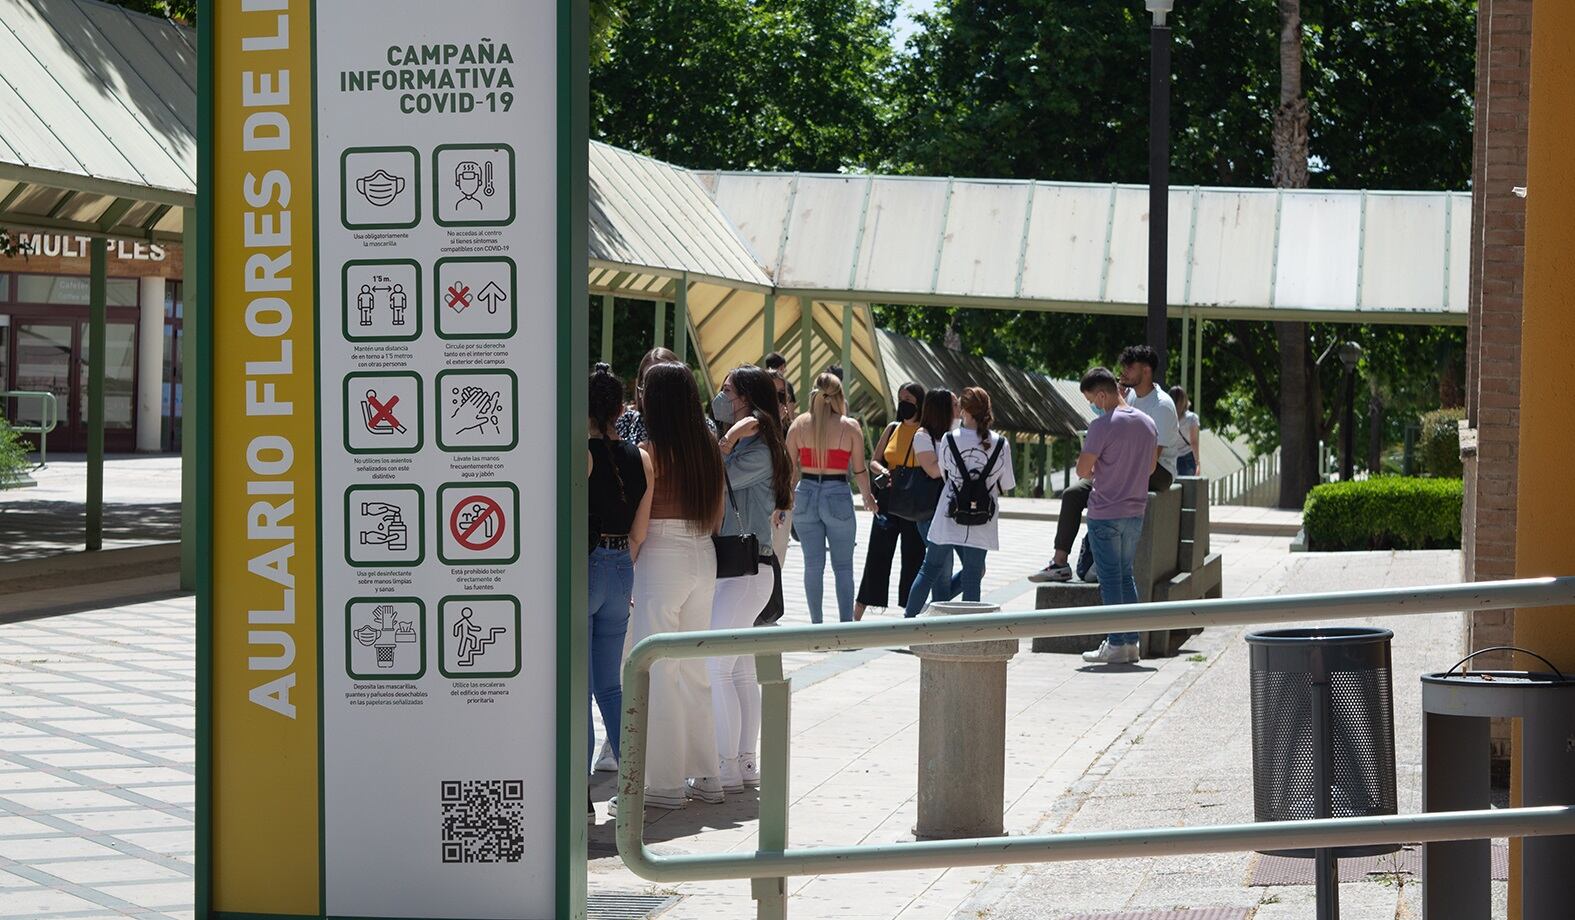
x=972, y=504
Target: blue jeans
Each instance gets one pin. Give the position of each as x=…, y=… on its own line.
x=823, y=516
x=610, y=578
x=935, y=581
x=1115, y=546
x=1187, y=464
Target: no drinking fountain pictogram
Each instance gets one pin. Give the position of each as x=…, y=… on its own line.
x=477, y=523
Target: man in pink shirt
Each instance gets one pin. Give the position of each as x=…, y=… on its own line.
x=1119, y=454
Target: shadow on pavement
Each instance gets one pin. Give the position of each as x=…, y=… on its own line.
x=36, y=529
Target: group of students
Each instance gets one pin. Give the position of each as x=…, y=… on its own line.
x=690, y=516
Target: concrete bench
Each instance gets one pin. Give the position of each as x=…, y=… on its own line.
x=1173, y=563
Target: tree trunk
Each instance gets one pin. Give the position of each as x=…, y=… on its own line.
x=1298, y=417
x=1300, y=400
x=1375, y=430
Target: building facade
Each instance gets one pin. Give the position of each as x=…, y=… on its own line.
x=44, y=340
x=1491, y=432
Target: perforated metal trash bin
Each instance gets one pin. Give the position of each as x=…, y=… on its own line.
x=1323, y=738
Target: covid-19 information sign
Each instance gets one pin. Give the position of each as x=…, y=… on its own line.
x=388, y=272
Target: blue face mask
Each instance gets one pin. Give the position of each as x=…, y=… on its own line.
x=1095, y=409
x=722, y=408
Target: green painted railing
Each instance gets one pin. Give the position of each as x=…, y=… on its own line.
x=49, y=417
x=774, y=861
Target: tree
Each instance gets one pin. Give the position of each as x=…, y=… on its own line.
x=1052, y=90
x=1298, y=403
x=747, y=84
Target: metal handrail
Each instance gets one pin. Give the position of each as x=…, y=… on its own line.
x=51, y=406
x=774, y=861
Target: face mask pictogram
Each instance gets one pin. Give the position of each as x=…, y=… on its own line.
x=380, y=188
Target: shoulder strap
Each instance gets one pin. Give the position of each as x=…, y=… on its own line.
x=962, y=467
x=990, y=464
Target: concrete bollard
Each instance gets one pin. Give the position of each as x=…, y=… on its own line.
x=962, y=732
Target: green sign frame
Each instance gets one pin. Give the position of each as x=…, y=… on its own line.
x=573, y=134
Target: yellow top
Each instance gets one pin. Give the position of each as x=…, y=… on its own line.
x=897, y=446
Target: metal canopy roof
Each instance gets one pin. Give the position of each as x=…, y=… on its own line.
x=97, y=120
x=1237, y=253
x=831, y=240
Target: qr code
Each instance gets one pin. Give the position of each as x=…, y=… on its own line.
x=483, y=820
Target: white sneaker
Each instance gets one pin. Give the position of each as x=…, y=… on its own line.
x=732, y=777
x=750, y=768
x=605, y=761
x=1112, y=654
x=1055, y=571
x=665, y=801
x=707, y=789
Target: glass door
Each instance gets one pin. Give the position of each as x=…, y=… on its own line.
x=43, y=363
x=120, y=387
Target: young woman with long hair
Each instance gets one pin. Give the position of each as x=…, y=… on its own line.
x=964, y=453
x=619, y=478
x=675, y=580
x=893, y=451
x=760, y=478
x=829, y=447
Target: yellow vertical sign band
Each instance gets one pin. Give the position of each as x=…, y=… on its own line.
x=265, y=843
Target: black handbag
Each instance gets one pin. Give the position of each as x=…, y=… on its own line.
x=913, y=494
x=739, y=554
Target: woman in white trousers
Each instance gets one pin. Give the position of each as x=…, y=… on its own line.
x=675, y=580
x=674, y=584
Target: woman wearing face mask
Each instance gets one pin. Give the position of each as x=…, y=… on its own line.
x=619, y=473
x=895, y=448
x=828, y=446
x=982, y=453
x=675, y=580
x=759, y=477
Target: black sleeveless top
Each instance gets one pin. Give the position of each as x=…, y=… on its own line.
x=612, y=505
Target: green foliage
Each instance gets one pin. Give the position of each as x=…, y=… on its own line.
x=1054, y=90
x=182, y=11
x=1438, y=446
x=13, y=453
x=747, y=84
x=1387, y=512
x=1390, y=87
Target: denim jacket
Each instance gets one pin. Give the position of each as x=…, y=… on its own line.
x=749, y=473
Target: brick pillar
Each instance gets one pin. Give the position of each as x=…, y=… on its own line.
x=1492, y=427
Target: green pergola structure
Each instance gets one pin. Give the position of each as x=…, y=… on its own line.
x=98, y=139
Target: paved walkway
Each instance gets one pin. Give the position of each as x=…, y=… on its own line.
x=96, y=751
x=141, y=506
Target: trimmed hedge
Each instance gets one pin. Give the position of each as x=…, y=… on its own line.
x=1438, y=448
x=1388, y=512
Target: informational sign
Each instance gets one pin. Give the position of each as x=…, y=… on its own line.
x=386, y=237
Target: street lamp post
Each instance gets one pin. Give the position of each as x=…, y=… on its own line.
x=1350, y=355
x=1157, y=328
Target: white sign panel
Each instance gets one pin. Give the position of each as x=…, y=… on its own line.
x=437, y=241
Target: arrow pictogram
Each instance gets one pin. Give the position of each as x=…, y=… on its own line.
x=492, y=295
